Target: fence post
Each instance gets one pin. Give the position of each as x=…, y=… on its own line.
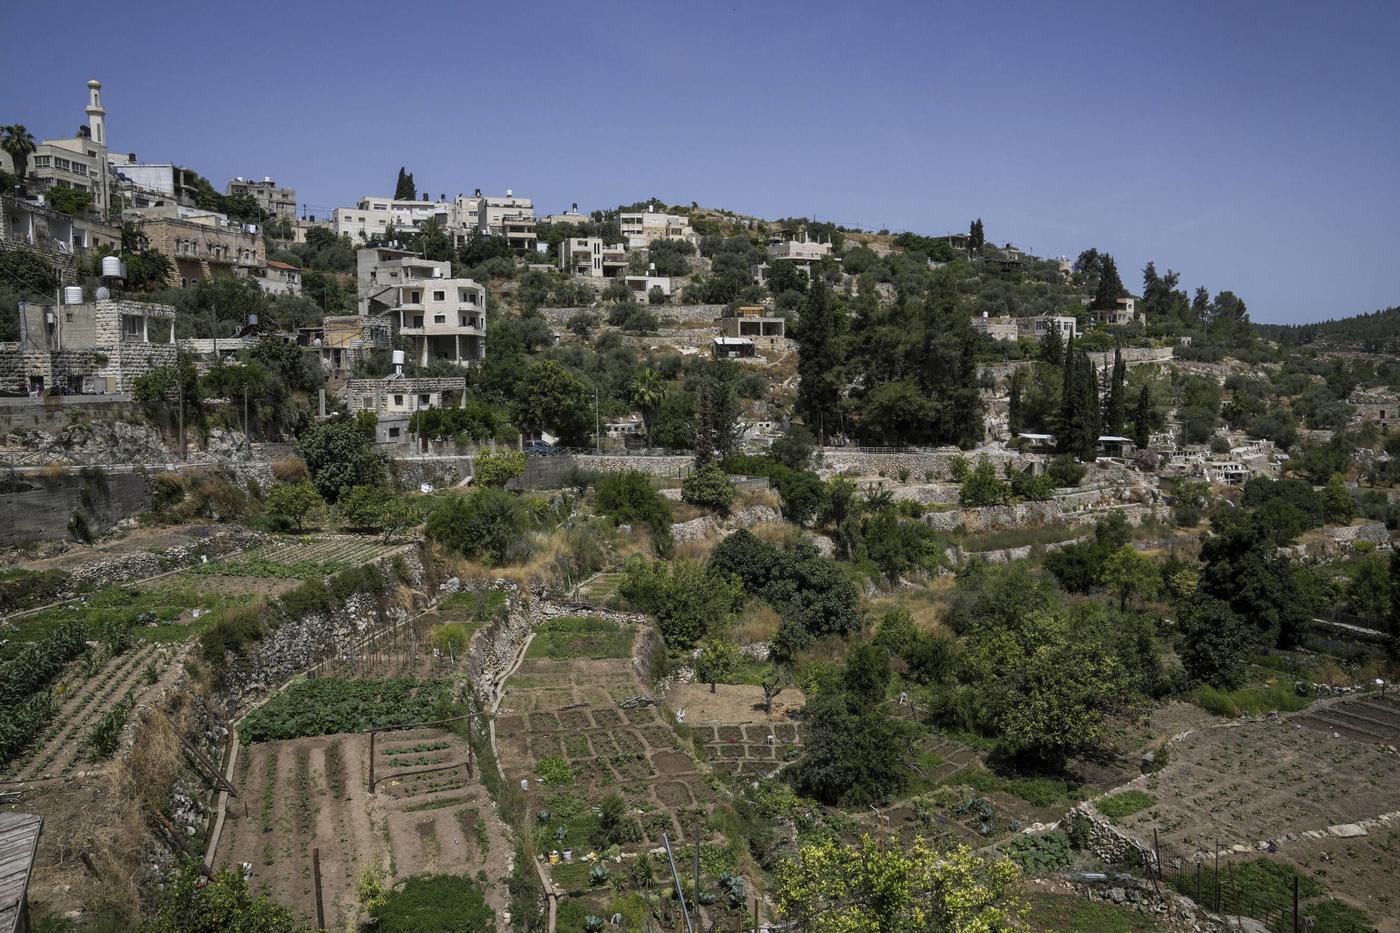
x=316, y=877
x=371, y=763
x=1198, y=882
x=1295, y=903
x=1217, y=876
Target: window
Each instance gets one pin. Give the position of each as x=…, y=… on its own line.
x=415, y=298
x=418, y=320
x=424, y=400
x=398, y=400
x=366, y=403
x=439, y=319
x=133, y=325
x=439, y=296
x=41, y=161
x=393, y=432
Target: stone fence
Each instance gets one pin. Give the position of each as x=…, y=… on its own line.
x=679, y=314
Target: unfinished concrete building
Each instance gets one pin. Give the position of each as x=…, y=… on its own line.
x=92, y=348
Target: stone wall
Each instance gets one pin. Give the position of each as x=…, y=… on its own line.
x=1060, y=511
x=56, y=412
x=921, y=465
x=1105, y=842
x=679, y=314
x=297, y=644
x=37, y=506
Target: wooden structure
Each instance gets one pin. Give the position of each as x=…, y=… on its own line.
x=19, y=840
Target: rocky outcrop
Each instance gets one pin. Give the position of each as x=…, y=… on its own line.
x=112, y=442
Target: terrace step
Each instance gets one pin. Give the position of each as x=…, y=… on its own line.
x=1384, y=709
x=1352, y=713
x=408, y=801
x=1325, y=723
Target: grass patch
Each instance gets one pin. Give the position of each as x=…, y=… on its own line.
x=151, y=615
x=263, y=568
x=435, y=804
x=327, y=705
x=435, y=902
x=1071, y=914
x=1118, y=806
x=1037, y=791
x=580, y=637
x=1250, y=700
x=1337, y=917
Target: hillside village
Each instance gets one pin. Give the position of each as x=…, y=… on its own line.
x=436, y=564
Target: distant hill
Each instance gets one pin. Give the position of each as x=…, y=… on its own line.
x=1377, y=332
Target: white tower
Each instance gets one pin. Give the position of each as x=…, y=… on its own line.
x=95, y=114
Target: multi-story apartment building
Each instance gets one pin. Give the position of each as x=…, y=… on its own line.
x=29, y=224
x=203, y=244
x=1123, y=313
x=374, y=216
x=641, y=227
x=266, y=194
x=800, y=251
x=80, y=162
x=592, y=258
x=442, y=319
x=154, y=184
x=510, y=217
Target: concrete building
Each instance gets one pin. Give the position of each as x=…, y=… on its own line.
x=442, y=318
x=146, y=184
x=79, y=162
x=997, y=328
x=732, y=348
x=88, y=348
x=202, y=244
x=591, y=258
x=1124, y=313
x=571, y=216
x=374, y=216
x=800, y=251
x=641, y=286
x=753, y=324
x=1038, y=326
x=304, y=225
x=31, y=225
x=395, y=398
x=641, y=227
x=278, y=278
x=268, y=195
x=509, y=217
x=343, y=341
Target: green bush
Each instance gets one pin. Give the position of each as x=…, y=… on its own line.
x=1064, y=471
x=687, y=599
x=498, y=467
x=708, y=488
x=487, y=523
x=629, y=499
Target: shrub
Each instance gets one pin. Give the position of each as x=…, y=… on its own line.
x=294, y=501
x=708, y=488
x=496, y=468
x=1064, y=471
x=801, y=492
x=687, y=599
x=983, y=487
x=375, y=508
x=486, y=523
x=628, y=498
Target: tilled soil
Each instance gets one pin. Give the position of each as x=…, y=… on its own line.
x=313, y=793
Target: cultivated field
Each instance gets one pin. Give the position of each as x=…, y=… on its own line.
x=313, y=793
x=1304, y=787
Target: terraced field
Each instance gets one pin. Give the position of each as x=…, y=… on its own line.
x=1365, y=720
x=62, y=746
x=313, y=793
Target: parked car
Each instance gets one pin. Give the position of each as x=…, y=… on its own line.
x=541, y=449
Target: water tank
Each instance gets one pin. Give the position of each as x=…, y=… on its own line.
x=252, y=320
x=398, y=357
x=103, y=293
x=73, y=295
x=112, y=267
x=509, y=193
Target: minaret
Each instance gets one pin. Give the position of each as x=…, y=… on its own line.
x=95, y=114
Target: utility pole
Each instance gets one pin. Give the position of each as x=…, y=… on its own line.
x=247, y=432
x=597, y=424
x=180, y=388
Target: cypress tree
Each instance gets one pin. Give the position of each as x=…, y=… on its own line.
x=1069, y=401
x=1052, y=348
x=1090, y=419
x=1392, y=642
x=816, y=331
x=1116, y=409
x=1014, y=415
x=404, y=189
x=1142, y=418
x=1110, y=287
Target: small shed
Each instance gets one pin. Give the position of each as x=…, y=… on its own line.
x=19, y=840
x=1110, y=445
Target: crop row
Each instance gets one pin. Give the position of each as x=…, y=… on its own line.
x=29, y=674
x=100, y=688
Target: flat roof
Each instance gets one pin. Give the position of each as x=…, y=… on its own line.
x=19, y=839
x=733, y=340
x=1114, y=438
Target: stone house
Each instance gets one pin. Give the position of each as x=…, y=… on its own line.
x=202, y=244
x=92, y=348
x=395, y=398
x=268, y=195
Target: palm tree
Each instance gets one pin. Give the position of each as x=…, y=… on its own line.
x=647, y=393
x=18, y=143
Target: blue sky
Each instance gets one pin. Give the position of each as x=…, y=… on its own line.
x=1249, y=145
